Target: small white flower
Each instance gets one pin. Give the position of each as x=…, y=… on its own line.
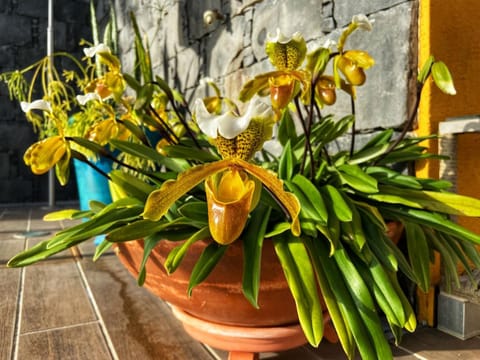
x=83, y=99
x=228, y=125
x=35, y=105
x=363, y=22
x=280, y=37
x=94, y=50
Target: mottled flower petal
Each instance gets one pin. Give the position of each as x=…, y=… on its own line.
x=35, y=105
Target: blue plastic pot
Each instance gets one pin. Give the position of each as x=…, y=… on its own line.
x=92, y=185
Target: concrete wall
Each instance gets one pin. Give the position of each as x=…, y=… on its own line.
x=231, y=51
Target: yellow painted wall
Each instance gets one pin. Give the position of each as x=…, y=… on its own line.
x=450, y=30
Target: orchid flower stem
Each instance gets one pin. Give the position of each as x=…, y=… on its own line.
x=407, y=126
x=308, y=147
x=166, y=129
x=82, y=158
x=352, y=143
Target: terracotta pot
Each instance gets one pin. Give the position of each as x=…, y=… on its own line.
x=219, y=298
x=395, y=230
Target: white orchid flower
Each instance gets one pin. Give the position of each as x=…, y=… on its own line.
x=83, y=99
x=229, y=125
x=35, y=105
x=363, y=22
x=94, y=50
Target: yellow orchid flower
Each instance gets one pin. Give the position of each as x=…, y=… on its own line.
x=43, y=155
x=231, y=183
x=286, y=55
x=352, y=64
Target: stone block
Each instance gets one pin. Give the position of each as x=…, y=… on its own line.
x=289, y=16
x=224, y=50
x=185, y=68
x=194, y=11
x=344, y=10
x=382, y=101
x=14, y=30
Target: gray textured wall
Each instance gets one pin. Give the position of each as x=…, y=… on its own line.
x=231, y=51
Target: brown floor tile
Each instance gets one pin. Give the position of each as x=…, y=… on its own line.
x=140, y=325
x=9, y=286
x=54, y=296
x=83, y=342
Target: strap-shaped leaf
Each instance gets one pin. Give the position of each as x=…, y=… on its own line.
x=209, y=258
x=355, y=177
x=419, y=254
x=195, y=210
x=300, y=277
x=176, y=256
x=252, y=239
x=339, y=206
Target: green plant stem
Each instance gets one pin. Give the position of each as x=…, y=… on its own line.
x=83, y=158
x=407, y=126
x=308, y=147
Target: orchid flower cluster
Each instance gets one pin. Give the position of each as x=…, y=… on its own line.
x=209, y=175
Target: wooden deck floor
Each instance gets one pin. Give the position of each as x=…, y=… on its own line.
x=71, y=308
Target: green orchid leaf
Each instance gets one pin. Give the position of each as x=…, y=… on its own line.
x=356, y=178
x=342, y=328
x=136, y=130
x=285, y=163
x=253, y=237
x=317, y=61
x=347, y=306
x=426, y=69
x=278, y=229
x=391, y=177
x=101, y=248
x=176, y=256
x=65, y=214
x=209, y=258
x=341, y=209
x=135, y=230
x=313, y=196
x=442, y=78
x=189, y=153
x=381, y=138
x=195, y=210
x=368, y=154
x=148, y=244
x=364, y=302
x=445, y=202
x=90, y=145
x=146, y=152
x=131, y=184
x=286, y=129
x=144, y=97
x=301, y=279
x=418, y=253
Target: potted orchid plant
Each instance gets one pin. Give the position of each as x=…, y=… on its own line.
x=212, y=178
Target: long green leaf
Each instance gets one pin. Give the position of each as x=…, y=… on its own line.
x=205, y=264
x=339, y=206
x=301, y=279
x=253, y=237
x=419, y=254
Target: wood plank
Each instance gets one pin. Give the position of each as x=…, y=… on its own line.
x=140, y=325
x=9, y=248
x=9, y=286
x=433, y=344
x=54, y=296
x=79, y=342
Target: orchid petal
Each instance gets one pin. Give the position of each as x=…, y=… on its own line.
x=207, y=122
x=362, y=22
x=35, y=105
x=83, y=99
x=230, y=127
x=159, y=201
x=43, y=155
x=94, y=50
x=286, y=200
x=229, y=204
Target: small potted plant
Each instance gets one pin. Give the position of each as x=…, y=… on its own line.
x=221, y=195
